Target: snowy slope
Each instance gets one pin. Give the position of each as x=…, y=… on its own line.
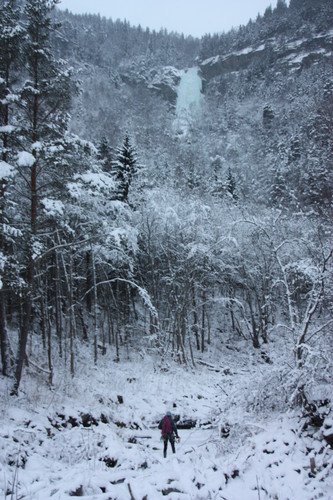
x=96, y=436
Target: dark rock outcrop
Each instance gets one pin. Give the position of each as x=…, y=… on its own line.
x=292, y=54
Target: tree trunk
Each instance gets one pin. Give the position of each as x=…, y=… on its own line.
x=43, y=316
x=255, y=333
x=71, y=318
x=191, y=351
x=3, y=335
x=25, y=327
x=89, y=281
x=49, y=348
x=27, y=306
x=58, y=308
x=95, y=305
x=3, y=329
x=203, y=314
x=23, y=339
x=195, y=326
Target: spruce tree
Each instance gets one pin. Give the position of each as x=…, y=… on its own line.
x=231, y=185
x=125, y=168
x=104, y=154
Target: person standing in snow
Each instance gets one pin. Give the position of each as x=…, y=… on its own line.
x=169, y=432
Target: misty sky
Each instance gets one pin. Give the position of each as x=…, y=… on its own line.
x=191, y=17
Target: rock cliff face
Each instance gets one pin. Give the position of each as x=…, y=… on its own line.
x=235, y=61
x=163, y=80
x=293, y=54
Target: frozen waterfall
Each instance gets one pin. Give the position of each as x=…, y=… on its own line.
x=188, y=99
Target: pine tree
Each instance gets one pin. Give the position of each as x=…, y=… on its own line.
x=10, y=43
x=45, y=99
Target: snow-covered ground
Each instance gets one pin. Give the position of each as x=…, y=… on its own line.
x=96, y=436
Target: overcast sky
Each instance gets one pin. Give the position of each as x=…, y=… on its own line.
x=191, y=17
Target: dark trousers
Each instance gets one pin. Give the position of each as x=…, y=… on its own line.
x=171, y=438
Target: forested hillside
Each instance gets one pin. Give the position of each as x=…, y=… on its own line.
x=130, y=223
x=166, y=201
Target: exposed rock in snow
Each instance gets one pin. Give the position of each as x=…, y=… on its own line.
x=293, y=53
x=165, y=81
x=234, y=61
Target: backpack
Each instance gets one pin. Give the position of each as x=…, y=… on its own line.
x=166, y=426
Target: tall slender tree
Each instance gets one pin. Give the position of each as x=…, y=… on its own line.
x=10, y=43
x=44, y=103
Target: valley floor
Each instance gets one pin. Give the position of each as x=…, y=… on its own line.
x=96, y=436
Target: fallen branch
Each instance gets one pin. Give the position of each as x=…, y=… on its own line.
x=211, y=367
x=31, y=363
x=130, y=491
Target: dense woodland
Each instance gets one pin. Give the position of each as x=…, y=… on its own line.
x=120, y=233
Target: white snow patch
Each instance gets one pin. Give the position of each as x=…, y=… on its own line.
x=296, y=43
x=98, y=180
x=37, y=146
x=6, y=171
x=25, y=159
x=53, y=208
x=7, y=129
x=246, y=50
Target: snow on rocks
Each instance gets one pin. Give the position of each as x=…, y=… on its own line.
x=293, y=54
x=165, y=81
